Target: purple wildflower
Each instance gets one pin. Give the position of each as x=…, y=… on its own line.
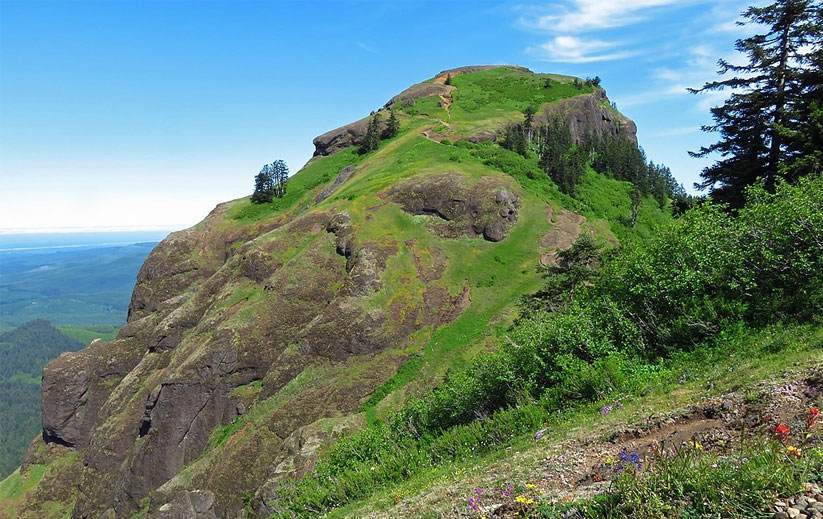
x=539, y=434
x=606, y=409
x=630, y=457
x=507, y=491
x=473, y=504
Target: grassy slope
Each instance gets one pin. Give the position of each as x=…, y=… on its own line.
x=497, y=273
x=735, y=362
x=86, y=334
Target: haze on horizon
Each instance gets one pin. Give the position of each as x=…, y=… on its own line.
x=146, y=115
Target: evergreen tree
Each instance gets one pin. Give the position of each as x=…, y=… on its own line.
x=576, y=268
x=528, y=116
x=771, y=125
x=372, y=138
x=528, y=121
x=263, y=185
x=514, y=139
x=392, y=126
x=280, y=177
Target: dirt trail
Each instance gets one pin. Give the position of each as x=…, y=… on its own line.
x=584, y=464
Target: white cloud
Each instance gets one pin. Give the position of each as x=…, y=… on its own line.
x=570, y=49
x=699, y=67
x=587, y=15
x=366, y=47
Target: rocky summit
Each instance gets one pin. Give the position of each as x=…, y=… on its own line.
x=265, y=332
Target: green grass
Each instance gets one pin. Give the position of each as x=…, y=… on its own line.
x=695, y=483
x=86, y=334
x=497, y=274
x=14, y=488
x=736, y=360
x=318, y=171
x=501, y=93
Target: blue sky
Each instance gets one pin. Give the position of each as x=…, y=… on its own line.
x=147, y=114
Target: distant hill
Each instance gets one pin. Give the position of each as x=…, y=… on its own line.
x=77, y=286
x=23, y=353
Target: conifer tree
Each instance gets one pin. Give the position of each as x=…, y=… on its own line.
x=263, y=186
x=528, y=121
x=392, y=126
x=771, y=126
x=280, y=177
x=371, y=140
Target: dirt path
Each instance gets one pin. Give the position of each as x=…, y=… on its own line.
x=583, y=464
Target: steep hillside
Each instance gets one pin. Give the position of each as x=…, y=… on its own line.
x=23, y=353
x=267, y=331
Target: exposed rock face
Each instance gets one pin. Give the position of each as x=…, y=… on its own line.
x=590, y=114
x=487, y=208
x=188, y=505
x=340, y=138
x=219, y=309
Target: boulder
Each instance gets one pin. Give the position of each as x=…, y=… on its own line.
x=487, y=208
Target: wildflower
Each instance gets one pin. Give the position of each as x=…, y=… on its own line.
x=473, y=504
x=531, y=486
x=523, y=500
x=791, y=450
x=606, y=409
x=539, y=434
x=812, y=415
x=630, y=457
x=507, y=490
x=696, y=445
x=782, y=431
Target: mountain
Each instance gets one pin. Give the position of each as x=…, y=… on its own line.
x=23, y=353
x=266, y=332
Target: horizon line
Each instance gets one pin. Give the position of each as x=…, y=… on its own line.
x=92, y=229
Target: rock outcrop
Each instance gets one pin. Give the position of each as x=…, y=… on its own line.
x=213, y=314
x=590, y=114
x=488, y=208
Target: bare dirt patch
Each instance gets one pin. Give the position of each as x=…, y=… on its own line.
x=566, y=227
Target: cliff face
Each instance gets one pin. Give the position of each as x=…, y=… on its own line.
x=262, y=333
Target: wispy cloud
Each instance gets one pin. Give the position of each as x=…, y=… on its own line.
x=699, y=67
x=587, y=15
x=571, y=22
x=571, y=49
x=368, y=48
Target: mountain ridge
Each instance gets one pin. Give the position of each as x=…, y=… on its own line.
x=264, y=332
